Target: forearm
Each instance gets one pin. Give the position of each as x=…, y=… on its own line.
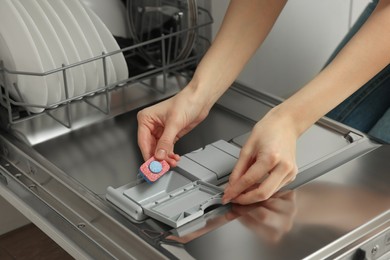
x=361, y=59
x=245, y=26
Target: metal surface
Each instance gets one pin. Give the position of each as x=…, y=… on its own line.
x=66, y=173
x=312, y=222
x=370, y=241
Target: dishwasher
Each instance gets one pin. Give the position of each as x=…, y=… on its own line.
x=72, y=169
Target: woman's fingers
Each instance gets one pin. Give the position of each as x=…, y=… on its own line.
x=252, y=176
x=146, y=140
x=248, y=189
x=244, y=162
x=164, y=147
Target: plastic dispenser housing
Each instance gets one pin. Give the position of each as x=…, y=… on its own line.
x=184, y=193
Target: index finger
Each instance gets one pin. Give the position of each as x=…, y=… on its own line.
x=253, y=175
x=265, y=189
x=146, y=142
x=242, y=165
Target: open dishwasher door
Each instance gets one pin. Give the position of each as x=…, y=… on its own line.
x=58, y=178
x=56, y=167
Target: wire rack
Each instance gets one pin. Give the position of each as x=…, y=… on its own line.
x=15, y=110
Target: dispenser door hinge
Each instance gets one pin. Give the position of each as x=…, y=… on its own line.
x=352, y=137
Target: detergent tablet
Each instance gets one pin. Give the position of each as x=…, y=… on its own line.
x=152, y=169
x=155, y=166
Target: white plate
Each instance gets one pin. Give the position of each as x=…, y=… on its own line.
x=94, y=40
x=70, y=49
x=109, y=41
x=53, y=43
x=80, y=41
x=52, y=80
x=18, y=51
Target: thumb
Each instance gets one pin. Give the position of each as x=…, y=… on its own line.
x=165, y=143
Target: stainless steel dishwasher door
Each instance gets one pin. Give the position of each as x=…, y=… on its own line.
x=344, y=214
x=59, y=179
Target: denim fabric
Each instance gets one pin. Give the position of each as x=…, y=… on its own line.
x=381, y=129
x=365, y=107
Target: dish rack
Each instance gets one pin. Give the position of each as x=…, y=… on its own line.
x=13, y=112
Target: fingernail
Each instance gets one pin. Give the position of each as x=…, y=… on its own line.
x=225, y=201
x=161, y=154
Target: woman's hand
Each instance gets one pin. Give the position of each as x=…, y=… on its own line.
x=266, y=162
x=162, y=125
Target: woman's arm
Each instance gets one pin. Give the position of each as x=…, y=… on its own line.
x=245, y=26
x=270, y=150
x=361, y=59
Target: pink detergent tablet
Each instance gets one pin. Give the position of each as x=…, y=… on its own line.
x=152, y=169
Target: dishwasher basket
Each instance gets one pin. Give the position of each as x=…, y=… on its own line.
x=159, y=56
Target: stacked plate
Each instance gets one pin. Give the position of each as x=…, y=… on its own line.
x=42, y=35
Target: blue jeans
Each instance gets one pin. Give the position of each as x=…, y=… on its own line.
x=368, y=108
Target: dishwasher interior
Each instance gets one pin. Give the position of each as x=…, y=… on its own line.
x=70, y=174
x=58, y=166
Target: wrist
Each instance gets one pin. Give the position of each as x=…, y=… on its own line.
x=289, y=119
x=201, y=94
